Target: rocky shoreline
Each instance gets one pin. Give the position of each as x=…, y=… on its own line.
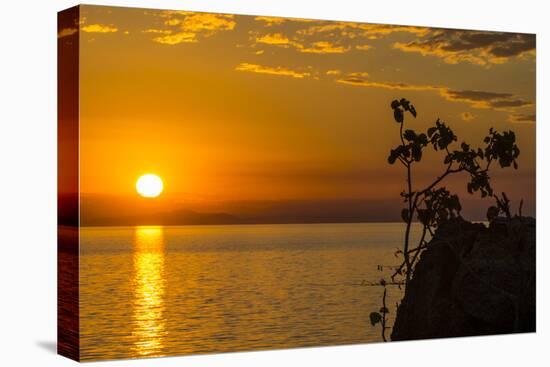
x=472, y=280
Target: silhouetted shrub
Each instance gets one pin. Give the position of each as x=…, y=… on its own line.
x=433, y=204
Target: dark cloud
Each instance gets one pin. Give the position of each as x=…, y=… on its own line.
x=523, y=117
x=483, y=99
x=476, y=95
x=475, y=98
x=514, y=48
x=475, y=39
x=510, y=103
x=470, y=46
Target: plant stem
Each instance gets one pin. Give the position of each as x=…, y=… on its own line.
x=384, y=315
x=410, y=216
x=408, y=230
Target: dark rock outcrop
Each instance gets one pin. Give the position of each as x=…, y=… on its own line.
x=472, y=280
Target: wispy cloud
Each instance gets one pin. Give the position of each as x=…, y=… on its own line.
x=363, y=47
x=204, y=22
x=157, y=31
x=359, y=74
x=277, y=39
x=324, y=47
x=188, y=27
x=176, y=38
x=361, y=79
x=99, y=28
x=272, y=21
x=277, y=70
x=318, y=47
x=327, y=37
x=359, y=30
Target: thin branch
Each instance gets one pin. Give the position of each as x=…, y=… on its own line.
x=447, y=172
x=421, y=246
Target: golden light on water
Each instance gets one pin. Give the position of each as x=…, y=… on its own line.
x=149, y=328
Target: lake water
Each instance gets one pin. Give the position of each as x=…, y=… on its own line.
x=159, y=291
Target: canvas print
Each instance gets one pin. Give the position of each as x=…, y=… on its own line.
x=236, y=183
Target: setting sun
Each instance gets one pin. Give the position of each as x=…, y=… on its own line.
x=149, y=185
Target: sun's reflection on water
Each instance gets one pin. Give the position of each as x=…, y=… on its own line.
x=149, y=284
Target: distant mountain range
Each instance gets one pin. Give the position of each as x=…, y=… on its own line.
x=177, y=217
x=103, y=211
x=119, y=211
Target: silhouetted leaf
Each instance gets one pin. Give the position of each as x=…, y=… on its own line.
x=392, y=157
x=412, y=110
x=375, y=318
x=423, y=139
x=409, y=135
x=416, y=152
x=398, y=115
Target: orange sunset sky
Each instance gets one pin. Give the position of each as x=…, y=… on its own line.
x=282, y=120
